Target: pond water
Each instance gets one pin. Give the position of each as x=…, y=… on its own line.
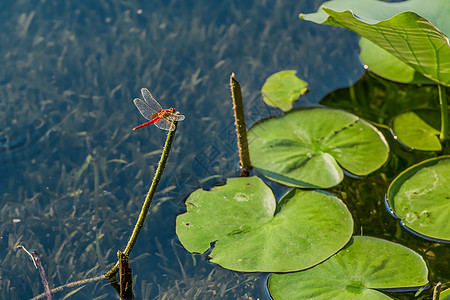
x=73, y=173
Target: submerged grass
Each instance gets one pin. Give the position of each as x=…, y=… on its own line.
x=73, y=172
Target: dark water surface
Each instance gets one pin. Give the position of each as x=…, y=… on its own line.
x=73, y=173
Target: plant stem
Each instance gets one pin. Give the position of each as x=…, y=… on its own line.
x=444, y=113
x=126, y=278
x=241, y=129
x=148, y=200
x=70, y=285
x=437, y=291
x=40, y=268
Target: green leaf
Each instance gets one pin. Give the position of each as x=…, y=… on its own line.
x=354, y=272
x=379, y=100
x=418, y=129
x=308, y=147
x=253, y=233
x=282, y=89
x=384, y=64
x=399, y=30
x=420, y=197
x=445, y=295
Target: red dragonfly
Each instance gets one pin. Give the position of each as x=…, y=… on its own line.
x=151, y=110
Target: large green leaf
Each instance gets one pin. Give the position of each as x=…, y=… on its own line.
x=354, y=272
x=282, y=89
x=384, y=64
x=418, y=129
x=399, y=30
x=420, y=197
x=253, y=233
x=307, y=147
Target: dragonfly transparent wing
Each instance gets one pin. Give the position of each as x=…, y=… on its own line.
x=166, y=123
x=152, y=103
x=145, y=110
x=177, y=117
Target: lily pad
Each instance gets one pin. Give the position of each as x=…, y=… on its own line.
x=445, y=295
x=418, y=129
x=282, y=89
x=420, y=197
x=399, y=29
x=253, y=233
x=355, y=272
x=308, y=147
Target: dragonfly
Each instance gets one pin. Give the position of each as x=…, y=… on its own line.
x=151, y=110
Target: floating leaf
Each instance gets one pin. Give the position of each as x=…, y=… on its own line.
x=282, y=89
x=420, y=197
x=397, y=29
x=254, y=233
x=355, y=272
x=418, y=129
x=307, y=147
x=445, y=295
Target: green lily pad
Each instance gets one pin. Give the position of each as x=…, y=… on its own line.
x=254, y=233
x=308, y=147
x=445, y=295
x=384, y=64
x=418, y=129
x=420, y=197
x=355, y=272
x=282, y=89
x=399, y=29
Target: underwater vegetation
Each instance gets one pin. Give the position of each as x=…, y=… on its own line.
x=355, y=186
